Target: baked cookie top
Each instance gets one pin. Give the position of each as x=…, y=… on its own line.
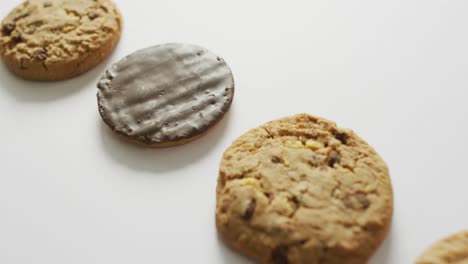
x=58, y=31
x=166, y=94
x=302, y=190
x=451, y=250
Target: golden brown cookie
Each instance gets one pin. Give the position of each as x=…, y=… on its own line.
x=451, y=250
x=51, y=40
x=301, y=190
x=166, y=95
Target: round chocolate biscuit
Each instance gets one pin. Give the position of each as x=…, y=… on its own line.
x=302, y=190
x=166, y=95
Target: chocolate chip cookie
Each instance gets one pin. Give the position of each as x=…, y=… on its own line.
x=166, y=95
x=51, y=40
x=302, y=190
x=451, y=250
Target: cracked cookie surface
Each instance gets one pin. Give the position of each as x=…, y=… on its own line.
x=302, y=190
x=450, y=250
x=58, y=39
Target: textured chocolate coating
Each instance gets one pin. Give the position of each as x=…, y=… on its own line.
x=166, y=94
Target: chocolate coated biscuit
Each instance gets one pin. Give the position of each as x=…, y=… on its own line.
x=166, y=95
x=302, y=190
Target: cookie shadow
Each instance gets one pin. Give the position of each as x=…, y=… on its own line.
x=158, y=160
x=46, y=91
x=384, y=253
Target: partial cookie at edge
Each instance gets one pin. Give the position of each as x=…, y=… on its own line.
x=450, y=250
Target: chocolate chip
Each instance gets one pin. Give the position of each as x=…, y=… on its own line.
x=40, y=54
x=92, y=15
x=295, y=201
x=371, y=227
x=333, y=158
x=16, y=37
x=276, y=159
x=7, y=28
x=250, y=210
x=47, y=4
x=341, y=136
x=347, y=202
x=360, y=201
x=362, y=198
x=279, y=255
x=222, y=179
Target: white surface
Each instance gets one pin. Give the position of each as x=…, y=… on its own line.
x=394, y=71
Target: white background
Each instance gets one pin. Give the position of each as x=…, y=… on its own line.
x=394, y=71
